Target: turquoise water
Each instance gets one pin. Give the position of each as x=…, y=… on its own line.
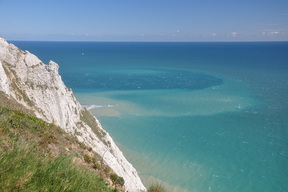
x=195, y=116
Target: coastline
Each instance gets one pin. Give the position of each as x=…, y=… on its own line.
x=40, y=88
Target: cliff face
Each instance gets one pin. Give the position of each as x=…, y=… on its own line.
x=39, y=87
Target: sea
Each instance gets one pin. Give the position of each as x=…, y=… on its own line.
x=191, y=116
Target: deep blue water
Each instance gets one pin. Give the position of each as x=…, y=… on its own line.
x=196, y=116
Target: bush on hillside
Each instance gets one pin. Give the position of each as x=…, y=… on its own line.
x=156, y=188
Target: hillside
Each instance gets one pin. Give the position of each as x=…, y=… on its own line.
x=30, y=86
x=38, y=156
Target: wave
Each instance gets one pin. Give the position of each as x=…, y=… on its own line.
x=89, y=107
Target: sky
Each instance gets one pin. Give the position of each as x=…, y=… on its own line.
x=144, y=20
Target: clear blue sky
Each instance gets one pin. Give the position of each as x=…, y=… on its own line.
x=144, y=20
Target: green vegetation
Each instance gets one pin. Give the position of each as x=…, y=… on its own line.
x=87, y=158
x=116, y=180
x=156, y=188
x=24, y=170
x=38, y=156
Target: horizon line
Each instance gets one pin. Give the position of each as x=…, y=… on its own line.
x=127, y=41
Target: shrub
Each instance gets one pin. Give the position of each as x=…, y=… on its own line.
x=156, y=188
x=96, y=165
x=87, y=158
x=117, y=180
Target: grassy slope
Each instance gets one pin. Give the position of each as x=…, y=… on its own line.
x=37, y=156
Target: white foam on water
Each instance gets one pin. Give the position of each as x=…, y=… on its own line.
x=89, y=107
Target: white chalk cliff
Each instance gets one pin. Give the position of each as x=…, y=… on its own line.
x=39, y=87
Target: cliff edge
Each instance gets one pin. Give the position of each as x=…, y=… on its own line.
x=39, y=88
